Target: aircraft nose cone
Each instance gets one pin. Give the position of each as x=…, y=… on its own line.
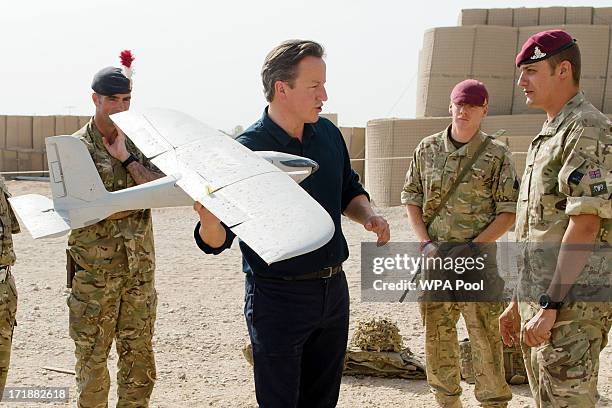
x=303, y=162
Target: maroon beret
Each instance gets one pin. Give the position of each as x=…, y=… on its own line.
x=544, y=45
x=470, y=91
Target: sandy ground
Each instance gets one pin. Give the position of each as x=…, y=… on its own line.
x=200, y=326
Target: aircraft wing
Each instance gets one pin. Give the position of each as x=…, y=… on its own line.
x=269, y=211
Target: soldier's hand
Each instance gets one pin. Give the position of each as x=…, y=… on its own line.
x=117, y=149
x=510, y=325
x=431, y=250
x=379, y=225
x=537, y=330
x=206, y=217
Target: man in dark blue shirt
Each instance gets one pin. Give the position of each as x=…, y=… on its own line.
x=297, y=310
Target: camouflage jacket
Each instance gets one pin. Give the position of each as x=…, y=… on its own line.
x=9, y=226
x=489, y=189
x=568, y=172
x=106, y=244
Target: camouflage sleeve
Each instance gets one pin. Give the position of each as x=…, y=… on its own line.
x=586, y=175
x=412, y=193
x=15, y=228
x=505, y=186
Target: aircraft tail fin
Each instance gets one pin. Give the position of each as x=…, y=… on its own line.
x=72, y=191
x=82, y=183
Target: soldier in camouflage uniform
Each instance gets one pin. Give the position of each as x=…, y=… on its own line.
x=480, y=210
x=8, y=291
x=113, y=292
x=564, y=199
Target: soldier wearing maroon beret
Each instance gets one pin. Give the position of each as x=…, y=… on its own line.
x=478, y=211
x=564, y=220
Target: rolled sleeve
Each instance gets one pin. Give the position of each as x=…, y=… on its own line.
x=412, y=193
x=586, y=177
x=505, y=207
x=589, y=205
x=229, y=238
x=15, y=229
x=507, y=188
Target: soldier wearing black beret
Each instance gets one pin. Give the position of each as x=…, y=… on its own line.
x=111, y=263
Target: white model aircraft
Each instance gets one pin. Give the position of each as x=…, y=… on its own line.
x=253, y=193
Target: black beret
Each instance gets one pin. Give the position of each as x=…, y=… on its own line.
x=110, y=81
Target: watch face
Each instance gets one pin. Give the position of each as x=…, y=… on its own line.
x=546, y=303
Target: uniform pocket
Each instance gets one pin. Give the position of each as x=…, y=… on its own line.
x=551, y=207
x=8, y=307
x=12, y=287
x=83, y=319
x=79, y=308
x=462, y=199
x=567, y=357
x=569, y=173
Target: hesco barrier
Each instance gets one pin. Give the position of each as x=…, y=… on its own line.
x=452, y=54
x=390, y=144
x=22, y=139
x=354, y=137
x=520, y=17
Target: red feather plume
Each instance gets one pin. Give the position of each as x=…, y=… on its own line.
x=126, y=58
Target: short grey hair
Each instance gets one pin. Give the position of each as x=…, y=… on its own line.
x=281, y=63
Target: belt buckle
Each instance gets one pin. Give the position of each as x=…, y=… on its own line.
x=331, y=272
x=3, y=274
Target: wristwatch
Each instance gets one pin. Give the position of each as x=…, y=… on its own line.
x=129, y=160
x=547, y=303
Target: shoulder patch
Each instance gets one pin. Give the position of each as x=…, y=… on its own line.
x=595, y=174
x=598, y=188
x=575, y=177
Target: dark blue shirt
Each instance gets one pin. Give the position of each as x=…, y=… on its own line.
x=333, y=186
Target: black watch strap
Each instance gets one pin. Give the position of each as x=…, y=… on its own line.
x=547, y=303
x=129, y=160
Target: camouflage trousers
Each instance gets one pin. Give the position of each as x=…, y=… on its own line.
x=8, y=309
x=442, y=351
x=564, y=371
x=114, y=304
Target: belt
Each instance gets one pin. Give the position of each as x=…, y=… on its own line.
x=324, y=273
x=5, y=271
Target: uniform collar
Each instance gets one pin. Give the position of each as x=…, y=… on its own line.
x=467, y=149
x=551, y=127
x=279, y=133
x=96, y=136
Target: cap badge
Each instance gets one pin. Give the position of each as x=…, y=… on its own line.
x=537, y=54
